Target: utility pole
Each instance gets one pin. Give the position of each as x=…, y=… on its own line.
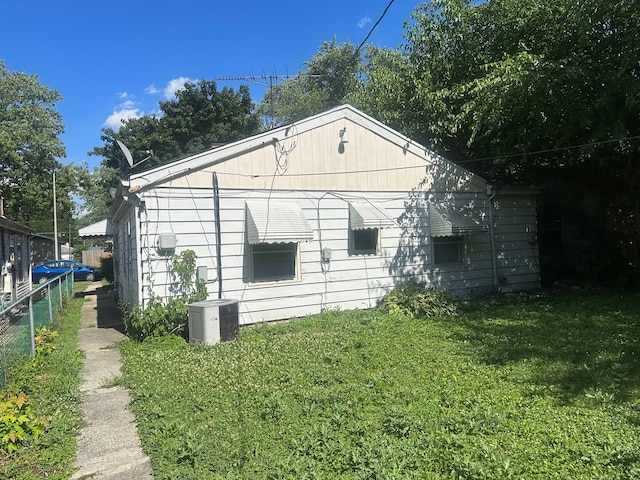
x=55, y=217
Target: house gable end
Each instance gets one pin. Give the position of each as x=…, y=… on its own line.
x=311, y=155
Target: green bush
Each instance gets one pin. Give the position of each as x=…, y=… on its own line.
x=416, y=300
x=168, y=316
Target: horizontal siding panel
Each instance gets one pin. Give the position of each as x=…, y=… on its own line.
x=350, y=281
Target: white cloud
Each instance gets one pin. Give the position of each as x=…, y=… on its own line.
x=123, y=95
x=364, y=21
x=124, y=111
x=176, y=84
x=151, y=90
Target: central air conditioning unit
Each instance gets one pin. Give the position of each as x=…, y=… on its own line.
x=212, y=321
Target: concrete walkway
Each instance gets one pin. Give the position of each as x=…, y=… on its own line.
x=108, y=446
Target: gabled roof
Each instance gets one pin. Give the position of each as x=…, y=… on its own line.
x=164, y=173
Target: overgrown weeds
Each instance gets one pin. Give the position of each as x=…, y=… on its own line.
x=46, y=402
x=517, y=387
x=168, y=316
x=417, y=300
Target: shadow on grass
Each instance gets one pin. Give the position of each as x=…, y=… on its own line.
x=575, y=346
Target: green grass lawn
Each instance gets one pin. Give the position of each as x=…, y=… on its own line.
x=513, y=387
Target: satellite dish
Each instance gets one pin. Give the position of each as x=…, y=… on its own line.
x=129, y=157
x=127, y=153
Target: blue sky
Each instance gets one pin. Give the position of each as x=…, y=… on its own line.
x=118, y=58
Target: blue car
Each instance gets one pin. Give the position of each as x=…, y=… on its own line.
x=42, y=273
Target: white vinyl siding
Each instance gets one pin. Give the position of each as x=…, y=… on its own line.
x=346, y=281
x=377, y=167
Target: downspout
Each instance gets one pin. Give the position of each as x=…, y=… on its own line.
x=137, y=217
x=216, y=212
x=494, y=261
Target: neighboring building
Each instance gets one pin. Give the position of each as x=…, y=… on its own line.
x=42, y=250
x=15, y=256
x=332, y=211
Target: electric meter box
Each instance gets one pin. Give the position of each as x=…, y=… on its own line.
x=213, y=321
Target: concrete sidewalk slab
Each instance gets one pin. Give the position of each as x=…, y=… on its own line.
x=108, y=445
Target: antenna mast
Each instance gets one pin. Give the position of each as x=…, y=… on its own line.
x=261, y=80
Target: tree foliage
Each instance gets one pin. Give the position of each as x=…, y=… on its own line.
x=329, y=79
x=545, y=92
x=198, y=118
x=29, y=142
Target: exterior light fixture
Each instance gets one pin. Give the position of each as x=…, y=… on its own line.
x=343, y=136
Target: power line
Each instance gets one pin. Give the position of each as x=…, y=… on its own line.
x=551, y=150
x=313, y=174
x=357, y=52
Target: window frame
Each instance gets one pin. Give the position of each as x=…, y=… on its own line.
x=355, y=249
x=263, y=249
x=458, y=241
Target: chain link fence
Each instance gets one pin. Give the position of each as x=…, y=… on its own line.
x=20, y=320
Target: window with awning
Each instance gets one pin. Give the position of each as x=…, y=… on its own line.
x=452, y=223
x=366, y=219
x=274, y=230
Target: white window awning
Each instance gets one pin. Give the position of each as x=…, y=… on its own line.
x=103, y=228
x=368, y=215
x=451, y=223
x=276, y=222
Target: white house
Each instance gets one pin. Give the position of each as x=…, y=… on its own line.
x=330, y=212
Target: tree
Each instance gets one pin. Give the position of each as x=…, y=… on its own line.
x=29, y=139
x=198, y=118
x=331, y=76
x=546, y=92
x=95, y=194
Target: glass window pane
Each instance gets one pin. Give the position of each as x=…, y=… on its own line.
x=274, y=261
x=447, y=250
x=365, y=241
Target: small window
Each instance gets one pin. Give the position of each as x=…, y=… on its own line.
x=274, y=261
x=447, y=250
x=363, y=242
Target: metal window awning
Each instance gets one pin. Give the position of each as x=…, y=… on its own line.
x=368, y=215
x=103, y=228
x=448, y=223
x=276, y=222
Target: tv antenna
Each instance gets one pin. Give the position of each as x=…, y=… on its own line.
x=129, y=157
x=261, y=80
